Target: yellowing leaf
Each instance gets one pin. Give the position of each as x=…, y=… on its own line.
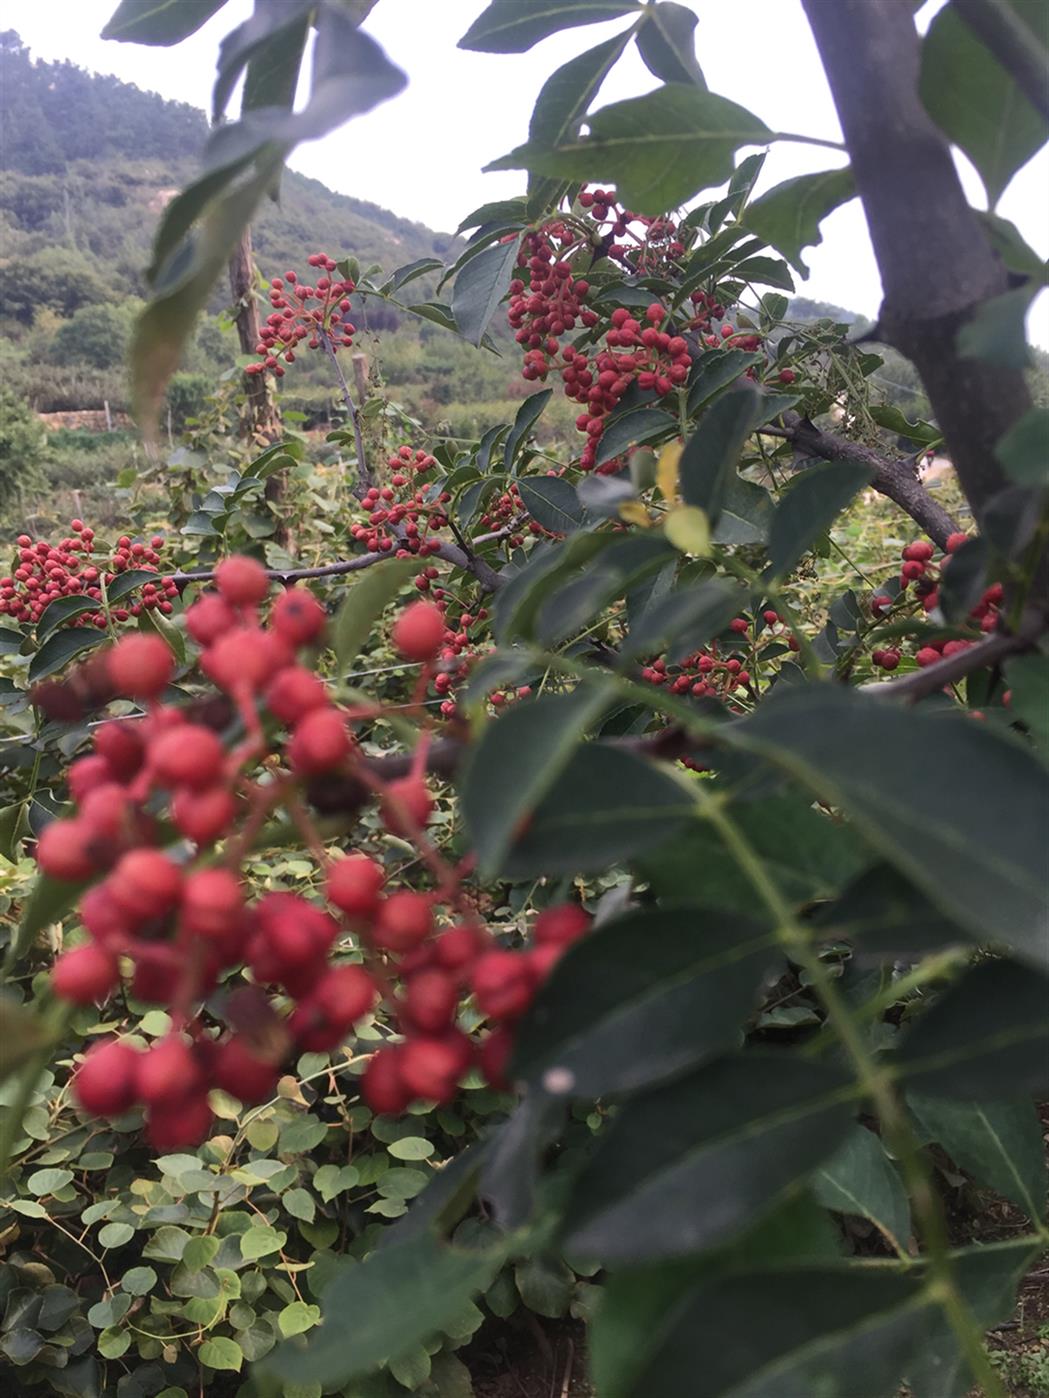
x=634, y=513
x=688, y=529
x=666, y=471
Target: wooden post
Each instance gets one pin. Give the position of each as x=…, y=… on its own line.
x=261, y=422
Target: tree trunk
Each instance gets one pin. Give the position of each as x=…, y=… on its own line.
x=260, y=422
x=936, y=263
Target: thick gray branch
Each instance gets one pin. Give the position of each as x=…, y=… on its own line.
x=895, y=477
x=937, y=266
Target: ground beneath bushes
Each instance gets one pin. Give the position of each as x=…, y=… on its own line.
x=528, y=1358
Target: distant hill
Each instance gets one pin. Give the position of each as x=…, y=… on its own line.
x=87, y=164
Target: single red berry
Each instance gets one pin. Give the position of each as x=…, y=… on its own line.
x=212, y=900
x=209, y=618
x=564, y=923
x=145, y=884
x=64, y=850
x=927, y=656
x=241, y=581
x=87, y=773
x=457, y=948
x=503, y=984
x=406, y=805
x=431, y=1067
x=168, y=1071
x=181, y=1124
x=298, y=616
x=140, y=666
x=319, y=743
x=189, y=755
x=354, y=885
x=245, y=659
x=404, y=920
x=85, y=975
x=120, y=742
x=294, y=693
x=382, y=1086
x=202, y=816
x=419, y=631
x=240, y=1071
x=323, y=1018
x=105, y=1083
x=430, y=1001
x=955, y=541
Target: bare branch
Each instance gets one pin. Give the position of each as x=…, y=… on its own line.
x=980, y=656
x=895, y=477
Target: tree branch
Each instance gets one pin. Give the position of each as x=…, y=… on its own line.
x=1019, y=51
x=937, y=266
x=979, y=656
x=895, y=477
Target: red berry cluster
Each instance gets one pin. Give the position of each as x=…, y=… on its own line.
x=402, y=517
x=923, y=572
x=177, y=924
x=652, y=244
x=295, y=318
x=47, y=571
x=710, y=674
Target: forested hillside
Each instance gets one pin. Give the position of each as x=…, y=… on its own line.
x=86, y=164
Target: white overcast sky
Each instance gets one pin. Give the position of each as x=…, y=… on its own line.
x=421, y=154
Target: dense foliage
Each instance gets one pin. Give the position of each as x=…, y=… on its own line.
x=539, y=835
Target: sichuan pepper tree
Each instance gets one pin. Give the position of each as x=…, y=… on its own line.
x=782, y=813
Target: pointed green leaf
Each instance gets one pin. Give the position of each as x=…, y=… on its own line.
x=712, y=452
x=860, y=1179
x=1023, y=451
x=808, y=508
x=563, y=101
x=609, y=1021
x=998, y=1143
x=383, y=1307
x=552, y=502
x=961, y=810
x=689, y=1165
x=658, y=150
x=984, y=1038
x=840, y=1332
x=977, y=103
x=529, y=747
x=163, y=22
x=60, y=648
x=667, y=43
x=607, y=805
x=508, y=26
x=480, y=286
x=364, y=603
x=788, y=217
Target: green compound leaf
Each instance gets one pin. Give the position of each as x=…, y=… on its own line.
x=960, y=810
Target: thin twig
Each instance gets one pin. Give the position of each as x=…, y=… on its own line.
x=364, y=480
